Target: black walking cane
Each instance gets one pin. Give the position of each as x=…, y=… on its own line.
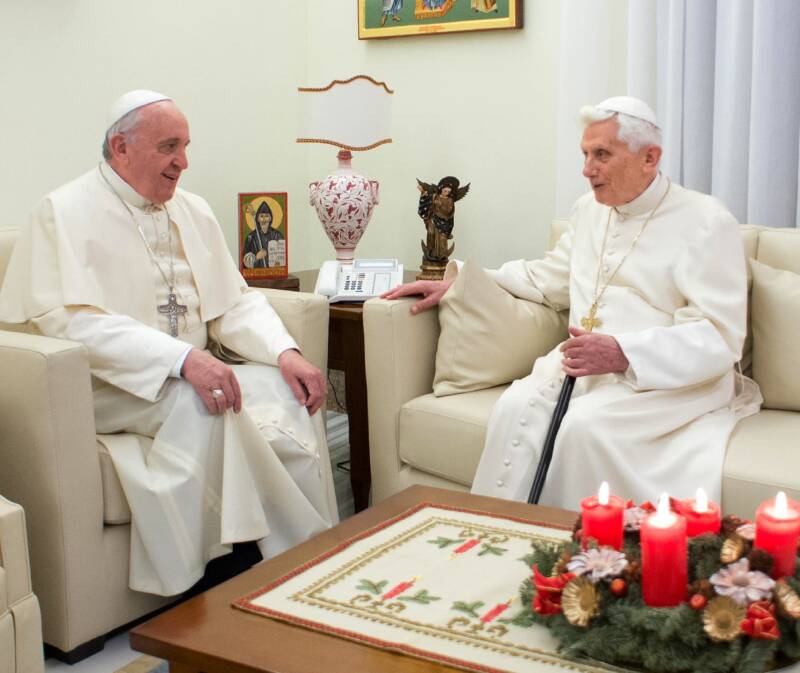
x=547, y=450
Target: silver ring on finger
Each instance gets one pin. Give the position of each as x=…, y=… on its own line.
x=217, y=392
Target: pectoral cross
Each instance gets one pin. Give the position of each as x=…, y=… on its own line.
x=172, y=309
x=590, y=321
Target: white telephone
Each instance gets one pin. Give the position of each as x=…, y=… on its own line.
x=364, y=279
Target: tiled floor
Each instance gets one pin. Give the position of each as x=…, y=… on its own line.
x=118, y=652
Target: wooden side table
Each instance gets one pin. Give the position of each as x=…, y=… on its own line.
x=346, y=353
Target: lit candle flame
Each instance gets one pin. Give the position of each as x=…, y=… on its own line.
x=700, y=501
x=781, y=509
x=663, y=517
x=602, y=494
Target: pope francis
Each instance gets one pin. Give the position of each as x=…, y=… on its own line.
x=137, y=270
x=654, y=278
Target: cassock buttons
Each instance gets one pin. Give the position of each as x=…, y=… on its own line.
x=515, y=442
x=522, y=421
x=532, y=401
x=506, y=462
x=500, y=482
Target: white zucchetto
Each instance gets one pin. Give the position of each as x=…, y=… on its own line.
x=128, y=102
x=633, y=107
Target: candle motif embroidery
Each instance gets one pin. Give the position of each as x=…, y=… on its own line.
x=399, y=589
x=496, y=611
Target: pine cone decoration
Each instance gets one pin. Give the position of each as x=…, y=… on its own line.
x=733, y=549
x=560, y=566
x=632, y=572
x=760, y=560
x=730, y=523
x=788, y=601
x=702, y=587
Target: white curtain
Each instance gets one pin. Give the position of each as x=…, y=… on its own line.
x=724, y=79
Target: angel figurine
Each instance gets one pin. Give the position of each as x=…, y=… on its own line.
x=437, y=206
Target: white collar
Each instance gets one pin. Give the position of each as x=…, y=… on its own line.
x=125, y=191
x=646, y=201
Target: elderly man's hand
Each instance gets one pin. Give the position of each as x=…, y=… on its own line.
x=586, y=354
x=305, y=380
x=432, y=292
x=214, y=381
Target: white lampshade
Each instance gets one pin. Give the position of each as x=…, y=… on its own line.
x=353, y=114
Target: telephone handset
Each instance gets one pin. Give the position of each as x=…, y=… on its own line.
x=364, y=279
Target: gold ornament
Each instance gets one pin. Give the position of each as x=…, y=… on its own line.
x=722, y=619
x=787, y=599
x=580, y=601
x=732, y=549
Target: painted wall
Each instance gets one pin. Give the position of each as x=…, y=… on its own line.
x=482, y=106
x=232, y=67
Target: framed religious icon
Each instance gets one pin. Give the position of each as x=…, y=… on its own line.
x=263, y=235
x=399, y=18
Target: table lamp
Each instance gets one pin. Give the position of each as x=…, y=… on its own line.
x=353, y=115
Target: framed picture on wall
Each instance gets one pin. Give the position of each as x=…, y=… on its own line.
x=400, y=18
x=263, y=235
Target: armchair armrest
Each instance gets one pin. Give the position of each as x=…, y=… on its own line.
x=50, y=466
x=305, y=316
x=15, y=590
x=400, y=355
x=13, y=553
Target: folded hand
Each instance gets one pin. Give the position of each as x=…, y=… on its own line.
x=587, y=353
x=305, y=380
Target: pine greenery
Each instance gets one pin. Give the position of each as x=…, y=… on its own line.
x=660, y=640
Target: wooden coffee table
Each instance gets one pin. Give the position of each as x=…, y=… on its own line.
x=206, y=634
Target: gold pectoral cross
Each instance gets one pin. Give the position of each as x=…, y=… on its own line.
x=590, y=321
x=172, y=309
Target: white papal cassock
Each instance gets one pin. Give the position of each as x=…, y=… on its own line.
x=677, y=307
x=195, y=483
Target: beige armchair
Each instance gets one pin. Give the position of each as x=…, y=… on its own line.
x=20, y=619
x=418, y=438
x=52, y=463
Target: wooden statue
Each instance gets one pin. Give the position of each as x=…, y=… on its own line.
x=437, y=206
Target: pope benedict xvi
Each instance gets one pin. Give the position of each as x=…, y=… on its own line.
x=137, y=270
x=654, y=278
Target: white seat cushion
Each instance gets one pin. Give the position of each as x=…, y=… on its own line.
x=445, y=435
x=762, y=459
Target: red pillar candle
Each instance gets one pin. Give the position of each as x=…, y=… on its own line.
x=777, y=530
x=664, y=557
x=601, y=518
x=702, y=516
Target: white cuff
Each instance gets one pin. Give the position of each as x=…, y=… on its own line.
x=175, y=372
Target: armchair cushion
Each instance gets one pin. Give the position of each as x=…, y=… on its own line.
x=445, y=435
x=776, y=323
x=488, y=337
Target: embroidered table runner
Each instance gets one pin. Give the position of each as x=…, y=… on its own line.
x=436, y=583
